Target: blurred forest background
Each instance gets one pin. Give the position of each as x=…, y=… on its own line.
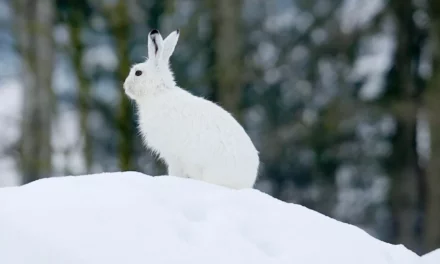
x=339, y=96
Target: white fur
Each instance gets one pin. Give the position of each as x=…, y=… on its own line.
x=195, y=137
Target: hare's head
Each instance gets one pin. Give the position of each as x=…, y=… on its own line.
x=153, y=75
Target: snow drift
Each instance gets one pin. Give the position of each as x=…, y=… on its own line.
x=134, y=218
x=431, y=257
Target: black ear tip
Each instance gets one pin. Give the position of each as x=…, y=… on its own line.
x=178, y=31
x=154, y=31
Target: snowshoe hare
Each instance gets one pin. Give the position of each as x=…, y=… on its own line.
x=196, y=138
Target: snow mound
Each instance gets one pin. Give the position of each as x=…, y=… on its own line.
x=432, y=257
x=130, y=217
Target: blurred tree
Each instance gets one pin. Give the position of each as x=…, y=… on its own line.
x=156, y=11
x=404, y=161
x=120, y=29
x=77, y=16
x=432, y=100
x=34, y=27
x=227, y=54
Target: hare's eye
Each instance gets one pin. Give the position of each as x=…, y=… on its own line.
x=138, y=73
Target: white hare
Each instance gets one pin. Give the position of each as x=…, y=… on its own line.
x=195, y=137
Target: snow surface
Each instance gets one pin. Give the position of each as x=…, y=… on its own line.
x=134, y=218
x=432, y=257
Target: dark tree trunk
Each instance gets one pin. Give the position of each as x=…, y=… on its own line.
x=432, y=100
x=404, y=173
x=227, y=54
x=34, y=27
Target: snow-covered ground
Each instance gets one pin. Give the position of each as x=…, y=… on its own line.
x=432, y=257
x=134, y=218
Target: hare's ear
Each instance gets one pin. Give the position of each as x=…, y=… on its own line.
x=155, y=44
x=169, y=44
